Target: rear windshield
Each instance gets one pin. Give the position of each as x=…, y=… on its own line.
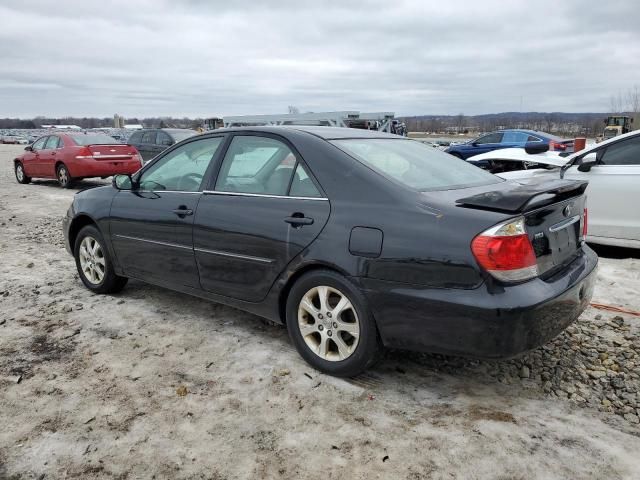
x=179, y=136
x=93, y=139
x=415, y=165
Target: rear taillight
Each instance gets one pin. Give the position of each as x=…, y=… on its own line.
x=84, y=153
x=138, y=157
x=585, y=223
x=555, y=146
x=505, y=252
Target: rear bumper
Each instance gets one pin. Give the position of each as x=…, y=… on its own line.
x=103, y=168
x=488, y=322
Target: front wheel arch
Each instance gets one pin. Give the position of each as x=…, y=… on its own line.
x=76, y=225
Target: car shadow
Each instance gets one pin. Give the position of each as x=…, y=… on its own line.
x=77, y=186
x=606, y=251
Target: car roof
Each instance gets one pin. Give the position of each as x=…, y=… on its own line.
x=326, y=133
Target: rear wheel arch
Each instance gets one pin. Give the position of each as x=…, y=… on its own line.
x=303, y=270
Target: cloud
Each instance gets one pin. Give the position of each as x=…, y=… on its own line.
x=205, y=58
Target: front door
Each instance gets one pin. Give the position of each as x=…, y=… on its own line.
x=31, y=160
x=613, y=194
x=263, y=210
x=151, y=225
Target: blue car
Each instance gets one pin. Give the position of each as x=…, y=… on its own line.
x=509, y=139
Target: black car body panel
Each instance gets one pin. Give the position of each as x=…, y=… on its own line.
x=408, y=251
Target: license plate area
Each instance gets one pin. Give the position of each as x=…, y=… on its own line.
x=564, y=240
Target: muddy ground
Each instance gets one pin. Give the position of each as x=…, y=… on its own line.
x=153, y=384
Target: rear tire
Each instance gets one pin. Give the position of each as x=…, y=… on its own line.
x=331, y=325
x=21, y=177
x=94, y=264
x=63, y=176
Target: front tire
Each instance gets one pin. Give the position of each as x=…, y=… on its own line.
x=63, y=176
x=94, y=264
x=330, y=324
x=21, y=177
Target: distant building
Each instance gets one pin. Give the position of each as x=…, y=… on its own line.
x=118, y=121
x=62, y=127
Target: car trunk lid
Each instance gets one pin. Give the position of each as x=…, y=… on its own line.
x=112, y=152
x=553, y=212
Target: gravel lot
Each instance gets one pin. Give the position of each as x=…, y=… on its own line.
x=152, y=384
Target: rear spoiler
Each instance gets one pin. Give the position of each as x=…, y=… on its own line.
x=520, y=198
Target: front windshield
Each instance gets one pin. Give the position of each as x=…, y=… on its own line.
x=414, y=164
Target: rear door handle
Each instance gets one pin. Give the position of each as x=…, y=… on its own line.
x=183, y=211
x=299, y=221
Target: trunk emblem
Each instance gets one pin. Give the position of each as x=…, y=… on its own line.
x=567, y=210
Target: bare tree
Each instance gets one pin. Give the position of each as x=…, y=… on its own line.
x=633, y=99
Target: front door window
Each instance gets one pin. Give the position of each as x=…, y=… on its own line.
x=182, y=169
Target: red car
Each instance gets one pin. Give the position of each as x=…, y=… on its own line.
x=74, y=156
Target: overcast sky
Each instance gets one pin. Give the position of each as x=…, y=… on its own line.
x=205, y=58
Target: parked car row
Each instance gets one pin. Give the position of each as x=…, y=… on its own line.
x=13, y=139
x=612, y=169
x=71, y=156
x=509, y=139
x=354, y=239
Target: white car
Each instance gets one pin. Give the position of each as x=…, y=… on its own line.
x=613, y=171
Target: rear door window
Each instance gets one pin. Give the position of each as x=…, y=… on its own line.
x=52, y=143
x=164, y=139
x=626, y=152
x=491, y=138
x=149, y=137
x=136, y=137
x=256, y=165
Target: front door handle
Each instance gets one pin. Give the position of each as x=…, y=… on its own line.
x=183, y=211
x=297, y=220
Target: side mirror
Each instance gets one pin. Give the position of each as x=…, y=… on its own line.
x=588, y=161
x=122, y=182
x=29, y=148
x=536, y=147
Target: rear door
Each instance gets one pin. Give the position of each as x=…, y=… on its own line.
x=151, y=226
x=263, y=209
x=49, y=155
x=614, y=190
x=148, y=145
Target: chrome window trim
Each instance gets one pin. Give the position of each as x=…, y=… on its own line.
x=234, y=255
x=156, y=242
x=168, y=191
x=241, y=194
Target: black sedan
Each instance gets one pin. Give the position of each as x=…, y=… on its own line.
x=354, y=239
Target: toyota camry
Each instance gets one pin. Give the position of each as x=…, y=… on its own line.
x=354, y=239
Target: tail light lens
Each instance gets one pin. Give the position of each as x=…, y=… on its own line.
x=585, y=223
x=505, y=252
x=555, y=146
x=138, y=157
x=84, y=153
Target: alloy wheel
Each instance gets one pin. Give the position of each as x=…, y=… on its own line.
x=328, y=323
x=92, y=261
x=63, y=176
x=20, y=173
